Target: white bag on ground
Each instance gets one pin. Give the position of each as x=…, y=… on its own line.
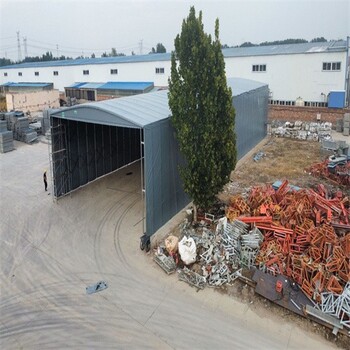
x=188, y=250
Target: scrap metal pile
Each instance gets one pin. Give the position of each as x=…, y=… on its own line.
x=335, y=169
x=282, y=230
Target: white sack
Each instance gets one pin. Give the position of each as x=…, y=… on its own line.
x=187, y=250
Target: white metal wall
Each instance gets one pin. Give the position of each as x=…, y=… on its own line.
x=292, y=76
x=98, y=73
x=288, y=76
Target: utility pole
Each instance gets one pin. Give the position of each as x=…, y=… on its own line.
x=25, y=47
x=19, y=48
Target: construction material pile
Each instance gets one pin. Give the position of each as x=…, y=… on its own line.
x=22, y=131
x=300, y=239
x=281, y=230
x=301, y=130
x=6, y=138
x=336, y=169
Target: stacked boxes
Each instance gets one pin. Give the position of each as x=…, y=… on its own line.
x=6, y=138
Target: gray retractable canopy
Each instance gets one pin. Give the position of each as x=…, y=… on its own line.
x=127, y=129
x=131, y=112
x=154, y=142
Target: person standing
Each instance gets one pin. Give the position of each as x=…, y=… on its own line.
x=45, y=180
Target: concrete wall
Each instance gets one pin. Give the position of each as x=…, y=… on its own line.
x=33, y=101
x=307, y=114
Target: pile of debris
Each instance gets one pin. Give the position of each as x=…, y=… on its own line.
x=336, y=167
x=301, y=130
x=276, y=230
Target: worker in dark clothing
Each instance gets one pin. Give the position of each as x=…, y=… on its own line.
x=45, y=180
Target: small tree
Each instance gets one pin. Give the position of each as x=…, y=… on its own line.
x=202, y=111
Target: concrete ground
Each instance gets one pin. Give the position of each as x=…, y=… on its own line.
x=50, y=251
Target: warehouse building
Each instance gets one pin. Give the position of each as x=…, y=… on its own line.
x=104, y=91
x=304, y=74
x=92, y=140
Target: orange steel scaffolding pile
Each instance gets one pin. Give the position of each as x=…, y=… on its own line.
x=306, y=235
x=339, y=174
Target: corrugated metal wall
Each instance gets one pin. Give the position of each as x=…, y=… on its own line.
x=251, y=118
x=164, y=192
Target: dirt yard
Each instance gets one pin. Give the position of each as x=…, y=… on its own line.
x=281, y=159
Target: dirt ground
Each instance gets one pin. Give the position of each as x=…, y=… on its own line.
x=281, y=159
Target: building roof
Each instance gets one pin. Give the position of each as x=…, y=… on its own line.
x=133, y=111
x=114, y=85
x=305, y=48
x=240, y=86
x=38, y=85
x=92, y=61
x=139, y=110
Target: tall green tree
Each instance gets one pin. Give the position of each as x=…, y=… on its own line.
x=202, y=113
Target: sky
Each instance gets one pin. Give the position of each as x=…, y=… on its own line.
x=82, y=27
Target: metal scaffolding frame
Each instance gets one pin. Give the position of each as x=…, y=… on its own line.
x=59, y=164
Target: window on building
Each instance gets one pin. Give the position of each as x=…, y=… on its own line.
x=259, y=68
x=86, y=72
x=55, y=72
x=329, y=66
x=336, y=66
x=114, y=71
x=36, y=74
x=5, y=74
x=19, y=74
x=159, y=70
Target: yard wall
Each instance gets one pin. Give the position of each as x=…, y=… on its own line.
x=307, y=114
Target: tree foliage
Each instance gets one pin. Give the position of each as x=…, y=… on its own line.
x=160, y=48
x=284, y=42
x=202, y=112
x=43, y=58
x=320, y=39
x=113, y=53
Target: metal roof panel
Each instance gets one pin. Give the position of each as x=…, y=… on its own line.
x=114, y=85
x=141, y=110
x=330, y=46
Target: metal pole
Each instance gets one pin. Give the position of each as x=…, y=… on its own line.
x=142, y=182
